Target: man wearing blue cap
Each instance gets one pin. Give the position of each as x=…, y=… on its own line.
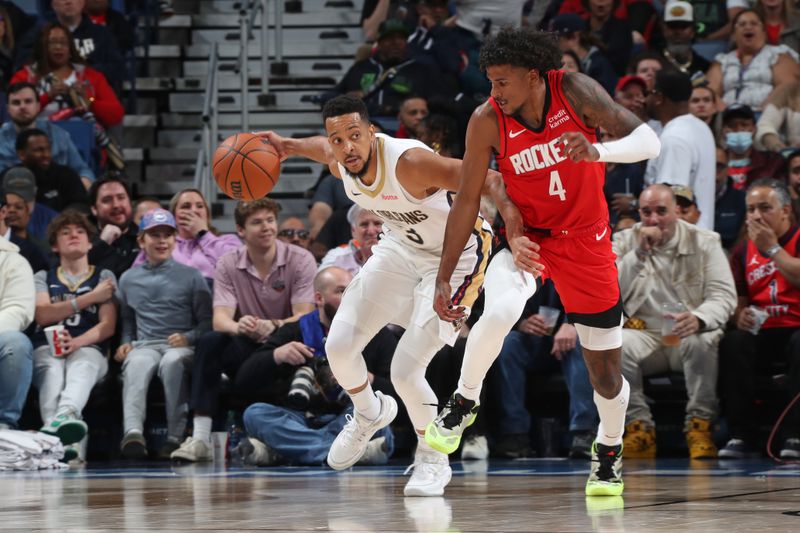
x=164, y=307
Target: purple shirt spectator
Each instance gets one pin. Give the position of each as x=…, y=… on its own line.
x=291, y=281
x=202, y=253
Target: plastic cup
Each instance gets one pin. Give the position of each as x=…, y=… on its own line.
x=219, y=442
x=759, y=316
x=549, y=317
x=669, y=310
x=52, y=333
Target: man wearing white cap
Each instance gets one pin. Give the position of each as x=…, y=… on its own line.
x=679, y=32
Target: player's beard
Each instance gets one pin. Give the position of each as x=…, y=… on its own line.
x=361, y=173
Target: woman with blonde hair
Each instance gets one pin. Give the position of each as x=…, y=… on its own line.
x=779, y=125
x=198, y=244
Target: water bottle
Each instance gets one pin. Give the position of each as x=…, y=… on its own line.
x=235, y=433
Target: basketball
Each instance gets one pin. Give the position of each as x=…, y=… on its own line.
x=246, y=166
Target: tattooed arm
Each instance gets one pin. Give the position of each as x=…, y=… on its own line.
x=595, y=107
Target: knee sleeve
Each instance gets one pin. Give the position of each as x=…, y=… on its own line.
x=599, y=339
x=408, y=378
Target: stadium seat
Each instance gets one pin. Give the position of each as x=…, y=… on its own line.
x=82, y=135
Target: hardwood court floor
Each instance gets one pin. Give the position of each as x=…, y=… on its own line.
x=534, y=495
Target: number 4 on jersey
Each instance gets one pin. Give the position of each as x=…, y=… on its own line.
x=556, y=187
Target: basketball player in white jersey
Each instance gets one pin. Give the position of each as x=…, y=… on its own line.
x=406, y=184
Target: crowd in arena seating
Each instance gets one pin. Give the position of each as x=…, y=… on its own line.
x=238, y=321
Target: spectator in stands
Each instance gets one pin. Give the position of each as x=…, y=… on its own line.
x=21, y=22
x=366, y=227
x=328, y=198
x=71, y=89
x=765, y=268
x=793, y=169
x=293, y=231
x=645, y=65
x=703, y=104
x=436, y=42
x=116, y=245
x=23, y=110
x=57, y=186
x=335, y=232
x=779, y=125
x=101, y=14
x=730, y=210
x=257, y=288
x=143, y=205
x=623, y=185
x=631, y=93
x=35, y=257
x=533, y=348
x=441, y=132
x=570, y=61
x=748, y=74
x=638, y=14
x=79, y=297
x=412, y=111
x=94, y=43
x=17, y=305
x=385, y=79
x=687, y=205
x=782, y=22
x=7, y=49
x=679, y=33
x=27, y=217
x=687, y=144
x=278, y=432
x=165, y=308
x=375, y=12
x=614, y=32
x=665, y=260
x=573, y=35
x=745, y=163
x=197, y=244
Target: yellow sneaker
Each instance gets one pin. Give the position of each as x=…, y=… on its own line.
x=698, y=438
x=639, y=441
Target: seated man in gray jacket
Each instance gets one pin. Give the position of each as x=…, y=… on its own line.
x=678, y=293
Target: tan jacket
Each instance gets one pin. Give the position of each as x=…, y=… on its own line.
x=700, y=275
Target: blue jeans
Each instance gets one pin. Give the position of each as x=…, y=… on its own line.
x=16, y=373
x=523, y=354
x=288, y=433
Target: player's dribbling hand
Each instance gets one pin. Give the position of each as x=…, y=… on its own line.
x=578, y=148
x=443, y=304
x=275, y=140
x=525, y=253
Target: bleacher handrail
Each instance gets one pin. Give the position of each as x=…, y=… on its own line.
x=203, y=164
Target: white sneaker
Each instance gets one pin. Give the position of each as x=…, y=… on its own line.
x=431, y=475
x=194, y=450
x=475, y=448
x=352, y=441
x=253, y=452
x=375, y=453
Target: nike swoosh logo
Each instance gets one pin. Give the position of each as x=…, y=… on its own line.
x=356, y=193
x=600, y=236
x=512, y=134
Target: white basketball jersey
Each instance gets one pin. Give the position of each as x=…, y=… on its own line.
x=408, y=220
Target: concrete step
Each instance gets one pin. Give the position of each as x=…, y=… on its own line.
x=229, y=82
x=290, y=36
x=333, y=68
x=307, y=49
x=233, y=6
x=232, y=101
x=164, y=179
x=177, y=138
x=324, y=18
x=299, y=121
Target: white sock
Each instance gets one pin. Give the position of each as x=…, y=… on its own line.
x=202, y=428
x=470, y=392
x=366, y=403
x=425, y=448
x=612, y=415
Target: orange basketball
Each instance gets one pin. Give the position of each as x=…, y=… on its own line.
x=246, y=167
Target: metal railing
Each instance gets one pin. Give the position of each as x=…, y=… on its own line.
x=247, y=19
x=203, y=179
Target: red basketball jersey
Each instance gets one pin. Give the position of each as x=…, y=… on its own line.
x=550, y=190
x=769, y=290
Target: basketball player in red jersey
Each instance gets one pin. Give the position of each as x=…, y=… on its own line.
x=540, y=126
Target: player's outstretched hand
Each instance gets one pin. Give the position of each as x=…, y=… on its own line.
x=526, y=255
x=275, y=140
x=443, y=303
x=578, y=148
